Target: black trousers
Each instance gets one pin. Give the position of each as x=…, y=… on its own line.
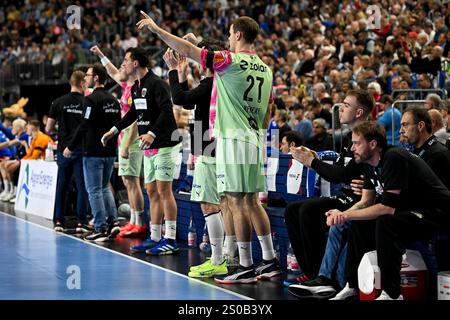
x=306, y=225
x=389, y=235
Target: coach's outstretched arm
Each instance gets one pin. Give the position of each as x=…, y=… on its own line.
x=179, y=45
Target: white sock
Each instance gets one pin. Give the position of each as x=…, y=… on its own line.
x=6, y=185
x=267, y=247
x=156, y=232
x=132, y=216
x=11, y=187
x=245, y=254
x=189, y=172
x=139, y=218
x=214, y=223
x=171, y=229
x=230, y=245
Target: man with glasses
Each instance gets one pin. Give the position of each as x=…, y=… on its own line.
x=100, y=111
x=305, y=220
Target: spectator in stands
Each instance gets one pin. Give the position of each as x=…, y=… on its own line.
x=404, y=201
x=385, y=119
x=319, y=112
x=424, y=81
x=39, y=143
x=281, y=118
x=433, y=101
x=305, y=219
x=437, y=126
x=291, y=139
x=303, y=125
x=321, y=139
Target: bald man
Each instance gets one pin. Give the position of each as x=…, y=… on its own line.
x=437, y=126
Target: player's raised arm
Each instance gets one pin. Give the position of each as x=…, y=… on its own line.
x=179, y=45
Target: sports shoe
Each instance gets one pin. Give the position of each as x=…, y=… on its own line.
x=145, y=245
x=319, y=288
x=385, y=296
x=240, y=275
x=193, y=268
x=136, y=231
x=346, y=293
x=298, y=280
x=268, y=269
x=101, y=236
x=127, y=227
x=165, y=246
x=113, y=230
x=208, y=269
x=83, y=228
x=58, y=227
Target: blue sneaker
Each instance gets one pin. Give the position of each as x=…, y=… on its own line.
x=165, y=246
x=145, y=245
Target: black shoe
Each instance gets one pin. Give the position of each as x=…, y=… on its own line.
x=240, y=275
x=113, y=230
x=58, y=227
x=318, y=288
x=268, y=269
x=83, y=228
x=97, y=236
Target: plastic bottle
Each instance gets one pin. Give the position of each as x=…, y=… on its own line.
x=294, y=267
x=205, y=246
x=276, y=245
x=192, y=234
x=289, y=255
x=49, y=152
x=263, y=198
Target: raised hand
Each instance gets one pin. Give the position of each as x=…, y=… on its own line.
x=171, y=59
x=96, y=51
x=147, y=22
x=191, y=38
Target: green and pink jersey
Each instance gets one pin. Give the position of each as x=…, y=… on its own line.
x=242, y=91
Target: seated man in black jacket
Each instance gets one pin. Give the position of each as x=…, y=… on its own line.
x=306, y=221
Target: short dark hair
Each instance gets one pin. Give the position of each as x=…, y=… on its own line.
x=420, y=114
x=248, y=27
x=372, y=130
x=211, y=44
x=77, y=78
x=100, y=72
x=139, y=55
x=298, y=106
x=34, y=123
x=295, y=137
x=364, y=99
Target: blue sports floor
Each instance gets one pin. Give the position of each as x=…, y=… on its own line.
x=37, y=263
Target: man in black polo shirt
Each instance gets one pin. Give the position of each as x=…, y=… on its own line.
x=66, y=111
x=416, y=130
x=405, y=202
x=100, y=111
x=152, y=108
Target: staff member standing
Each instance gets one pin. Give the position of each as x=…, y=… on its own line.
x=67, y=111
x=100, y=111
